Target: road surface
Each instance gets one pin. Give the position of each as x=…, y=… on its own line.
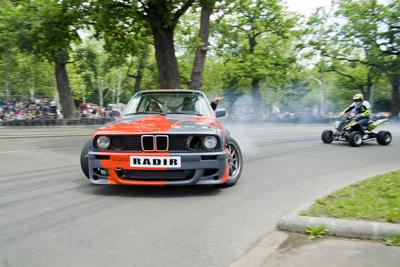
x=51, y=216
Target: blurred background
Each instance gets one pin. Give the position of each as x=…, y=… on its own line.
x=277, y=61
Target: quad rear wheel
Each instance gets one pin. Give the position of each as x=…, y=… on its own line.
x=327, y=136
x=384, y=138
x=355, y=139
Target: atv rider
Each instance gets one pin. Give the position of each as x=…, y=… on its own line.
x=360, y=108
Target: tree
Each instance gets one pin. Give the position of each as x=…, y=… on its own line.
x=46, y=28
x=86, y=60
x=377, y=27
x=366, y=32
x=141, y=65
x=260, y=42
x=158, y=18
x=207, y=7
x=24, y=76
x=354, y=75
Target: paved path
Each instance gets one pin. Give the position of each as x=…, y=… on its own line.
x=298, y=251
x=51, y=216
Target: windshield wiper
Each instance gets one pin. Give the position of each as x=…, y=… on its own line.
x=196, y=114
x=145, y=112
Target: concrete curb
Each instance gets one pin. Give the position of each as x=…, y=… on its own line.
x=293, y=222
x=341, y=227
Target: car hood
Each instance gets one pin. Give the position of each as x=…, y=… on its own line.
x=169, y=124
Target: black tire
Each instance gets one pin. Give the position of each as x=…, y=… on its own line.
x=355, y=139
x=235, y=162
x=384, y=138
x=327, y=136
x=85, y=160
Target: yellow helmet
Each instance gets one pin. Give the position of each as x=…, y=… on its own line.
x=358, y=97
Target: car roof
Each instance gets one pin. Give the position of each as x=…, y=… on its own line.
x=171, y=90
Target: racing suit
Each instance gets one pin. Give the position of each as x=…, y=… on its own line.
x=362, y=112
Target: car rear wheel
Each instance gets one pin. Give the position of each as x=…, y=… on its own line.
x=384, y=138
x=355, y=139
x=235, y=162
x=327, y=136
x=85, y=160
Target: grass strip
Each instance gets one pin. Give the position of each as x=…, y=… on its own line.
x=374, y=199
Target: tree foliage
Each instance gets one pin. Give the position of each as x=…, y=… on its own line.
x=47, y=29
x=253, y=47
x=366, y=33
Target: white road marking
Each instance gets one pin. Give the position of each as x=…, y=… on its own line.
x=38, y=150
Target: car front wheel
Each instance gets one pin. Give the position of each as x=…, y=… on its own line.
x=235, y=162
x=85, y=160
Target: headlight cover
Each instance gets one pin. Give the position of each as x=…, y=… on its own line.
x=103, y=142
x=210, y=142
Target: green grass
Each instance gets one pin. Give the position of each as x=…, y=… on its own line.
x=375, y=199
x=316, y=232
x=392, y=241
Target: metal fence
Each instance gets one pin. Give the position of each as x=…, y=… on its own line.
x=57, y=122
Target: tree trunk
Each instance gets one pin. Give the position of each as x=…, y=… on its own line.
x=32, y=91
x=138, y=81
x=167, y=63
x=395, y=82
x=255, y=82
x=255, y=85
x=64, y=90
x=140, y=68
x=100, y=91
x=369, y=85
x=6, y=81
x=112, y=95
x=119, y=88
x=201, y=51
x=252, y=43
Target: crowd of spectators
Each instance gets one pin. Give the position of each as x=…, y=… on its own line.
x=92, y=111
x=11, y=110
x=47, y=110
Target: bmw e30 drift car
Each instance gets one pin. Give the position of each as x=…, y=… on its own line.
x=164, y=137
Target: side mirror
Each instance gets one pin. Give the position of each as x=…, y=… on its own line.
x=220, y=113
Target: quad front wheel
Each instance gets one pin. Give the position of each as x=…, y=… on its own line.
x=355, y=139
x=384, y=138
x=327, y=136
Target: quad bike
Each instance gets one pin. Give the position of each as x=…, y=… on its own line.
x=349, y=130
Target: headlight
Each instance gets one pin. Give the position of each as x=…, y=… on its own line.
x=103, y=142
x=210, y=142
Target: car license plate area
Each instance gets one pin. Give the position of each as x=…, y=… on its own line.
x=155, y=162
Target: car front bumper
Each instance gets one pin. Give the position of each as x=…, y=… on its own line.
x=196, y=168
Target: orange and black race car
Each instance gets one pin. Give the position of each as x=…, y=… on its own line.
x=164, y=137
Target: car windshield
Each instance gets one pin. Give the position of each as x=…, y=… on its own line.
x=174, y=102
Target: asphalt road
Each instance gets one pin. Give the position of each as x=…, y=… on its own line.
x=51, y=216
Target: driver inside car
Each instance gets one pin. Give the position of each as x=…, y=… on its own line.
x=360, y=108
x=153, y=107
x=188, y=104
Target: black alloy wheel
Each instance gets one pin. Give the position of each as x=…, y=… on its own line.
x=235, y=162
x=85, y=160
